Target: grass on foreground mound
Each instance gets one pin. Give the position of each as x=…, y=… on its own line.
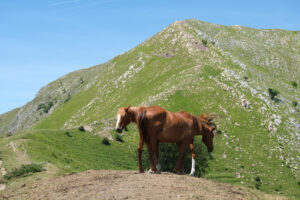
x=79, y=151
x=24, y=170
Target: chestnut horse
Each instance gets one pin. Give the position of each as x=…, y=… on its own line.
x=156, y=124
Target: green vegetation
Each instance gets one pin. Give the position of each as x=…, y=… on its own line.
x=24, y=170
x=294, y=83
x=68, y=98
x=295, y=103
x=79, y=152
x=105, y=141
x=81, y=80
x=168, y=154
x=204, y=42
x=81, y=128
x=118, y=138
x=259, y=182
x=8, y=134
x=273, y=94
x=45, y=107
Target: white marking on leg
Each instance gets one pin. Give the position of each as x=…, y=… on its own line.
x=118, y=121
x=158, y=167
x=193, y=167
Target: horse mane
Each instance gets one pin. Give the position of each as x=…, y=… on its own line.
x=142, y=125
x=208, y=117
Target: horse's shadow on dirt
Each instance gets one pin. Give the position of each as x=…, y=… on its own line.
x=168, y=154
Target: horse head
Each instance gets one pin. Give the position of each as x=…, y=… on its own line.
x=208, y=129
x=123, y=119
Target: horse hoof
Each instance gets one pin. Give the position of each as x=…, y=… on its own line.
x=141, y=171
x=179, y=172
x=153, y=172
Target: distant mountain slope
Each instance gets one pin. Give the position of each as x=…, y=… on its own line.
x=6, y=118
x=197, y=67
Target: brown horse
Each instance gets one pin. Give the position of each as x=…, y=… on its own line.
x=156, y=125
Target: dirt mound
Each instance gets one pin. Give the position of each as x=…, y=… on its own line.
x=128, y=185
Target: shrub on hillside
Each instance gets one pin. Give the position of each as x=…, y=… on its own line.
x=68, y=98
x=258, y=182
x=273, y=94
x=105, y=141
x=41, y=106
x=45, y=107
x=8, y=134
x=204, y=42
x=81, y=80
x=294, y=83
x=294, y=103
x=24, y=170
x=81, y=128
x=68, y=134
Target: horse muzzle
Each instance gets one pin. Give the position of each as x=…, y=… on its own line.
x=119, y=130
x=210, y=149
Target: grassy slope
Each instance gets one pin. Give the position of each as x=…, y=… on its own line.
x=191, y=80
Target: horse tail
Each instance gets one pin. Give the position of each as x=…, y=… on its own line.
x=142, y=125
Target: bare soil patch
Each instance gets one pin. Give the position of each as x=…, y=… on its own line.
x=105, y=184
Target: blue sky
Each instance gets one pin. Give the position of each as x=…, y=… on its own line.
x=41, y=40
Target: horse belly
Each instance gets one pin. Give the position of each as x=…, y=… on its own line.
x=172, y=135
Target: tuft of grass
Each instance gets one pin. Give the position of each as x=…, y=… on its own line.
x=105, y=141
x=81, y=128
x=24, y=170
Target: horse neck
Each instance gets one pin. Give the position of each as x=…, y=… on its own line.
x=133, y=113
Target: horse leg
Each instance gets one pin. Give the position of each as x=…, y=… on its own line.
x=140, y=151
x=192, y=151
x=179, y=164
x=156, y=151
x=152, y=165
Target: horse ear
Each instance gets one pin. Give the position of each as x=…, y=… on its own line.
x=202, y=116
x=127, y=108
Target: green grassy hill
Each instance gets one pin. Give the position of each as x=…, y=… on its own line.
x=193, y=66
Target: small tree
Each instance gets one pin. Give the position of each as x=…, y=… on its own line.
x=273, y=93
